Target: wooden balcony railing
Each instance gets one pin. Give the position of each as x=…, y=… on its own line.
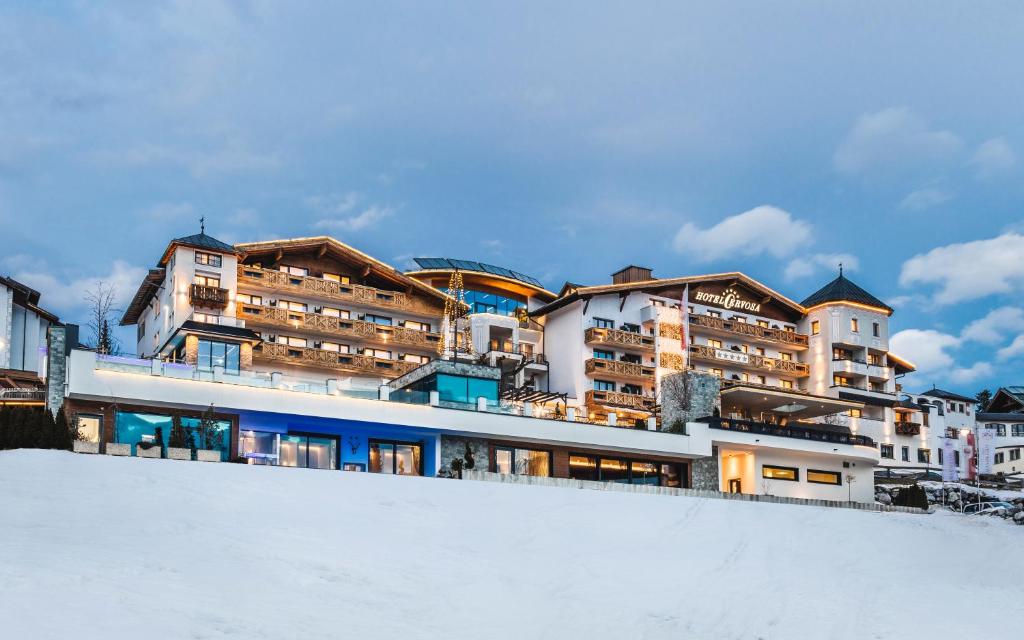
x=618, y=338
x=618, y=399
x=272, y=352
x=749, y=360
x=906, y=428
x=618, y=368
x=203, y=296
x=749, y=330
x=320, y=288
x=256, y=315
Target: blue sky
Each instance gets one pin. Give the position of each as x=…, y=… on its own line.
x=773, y=138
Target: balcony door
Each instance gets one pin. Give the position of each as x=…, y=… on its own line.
x=735, y=486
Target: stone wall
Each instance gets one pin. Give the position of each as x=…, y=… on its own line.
x=455, y=447
x=687, y=396
x=705, y=472
x=56, y=367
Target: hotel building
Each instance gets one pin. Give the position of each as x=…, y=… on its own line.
x=24, y=334
x=310, y=353
x=1005, y=414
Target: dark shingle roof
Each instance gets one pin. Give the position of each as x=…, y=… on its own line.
x=946, y=395
x=203, y=241
x=842, y=289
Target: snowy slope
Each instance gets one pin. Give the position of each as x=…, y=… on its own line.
x=102, y=547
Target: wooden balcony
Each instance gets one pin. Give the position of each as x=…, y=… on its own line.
x=907, y=428
x=618, y=369
x=748, y=361
x=618, y=338
x=270, y=352
x=618, y=399
x=320, y=288
x=256, y=315
x=750, y=331
x=211, y=297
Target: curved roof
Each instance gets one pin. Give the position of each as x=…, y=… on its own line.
x=450, y=264
x=842, y=289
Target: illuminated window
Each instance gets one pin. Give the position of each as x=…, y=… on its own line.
x=334, y=346
x=854, y=325
x=761, y=380
x=415, y=325
x=718, y=373
x=759, y=351
x=791, y=474
x=209, y=259
x=335, y=313
x=855, y=413
x=333, y=277
x=785, y=356
x=786, y=384
x=815, y=327
x=292, y=341
x=292, y=306
x=90, y=427
x=717, y=344
x=411, y=357
x=763, y=324
x=524, y=462
x=714, y=314
x=744, y=348
x=824, y=477
x=840, y=381
x=739, y=319
x=250, y=299
x=377, y=353
x=205, y=280
x=294, y=271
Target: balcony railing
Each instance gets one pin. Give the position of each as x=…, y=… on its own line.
x=337, y=327
x=749, y=360
x=802, y=431
x=273, y=352
x=320, y=288
x=618, y=368
x=749, y=330
x=619, y=399
x=906, y=428
x=22, y=395
x=200, y=295
x=618, y=338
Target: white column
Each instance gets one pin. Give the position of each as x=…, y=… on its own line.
x=613, y=419
x=275, y=379
x=332, y=387
x=481, y=404
x=652, y=424
x=384, y=393
x=435, y=398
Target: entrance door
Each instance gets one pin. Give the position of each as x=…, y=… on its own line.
x=734, y=486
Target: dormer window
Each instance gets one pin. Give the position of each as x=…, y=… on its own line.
x=209, y=259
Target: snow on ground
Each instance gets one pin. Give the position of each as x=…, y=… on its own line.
x=104, y=547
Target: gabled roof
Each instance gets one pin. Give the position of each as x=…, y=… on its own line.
x=327, y=244
x=902, y=365
x=150, y=285
x=946, y=395
x=199, y=241
x=28, y=297
x=842, y=289
x=1006, y=400
x=571, y=292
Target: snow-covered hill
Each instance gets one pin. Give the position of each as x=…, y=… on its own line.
x=102, y=547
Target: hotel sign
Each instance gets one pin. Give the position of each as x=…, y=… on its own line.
x=727, y=299
x=732, y=356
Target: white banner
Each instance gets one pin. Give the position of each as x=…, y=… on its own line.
x=986, y=450
x=950, y=472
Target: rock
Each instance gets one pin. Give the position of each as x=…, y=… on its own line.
x=884, y=498
x=1019, y=517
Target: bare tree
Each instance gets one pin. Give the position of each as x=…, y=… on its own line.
x=101, y=300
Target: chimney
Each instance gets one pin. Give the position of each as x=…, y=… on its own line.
x=631, y=273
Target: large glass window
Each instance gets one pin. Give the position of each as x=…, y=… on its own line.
x=483, y=302
x=90, y=427
x=397, y=458
x=524, y=462
x=464, y=389
x=604, y=385
x=644, y=473
x=133, y=428
x=824, y=477
x=780, y=473
x=217, y=437
x=259, y=447
x=309, y=452
x=1017, y=430
x=584, y=467
x=213, y=353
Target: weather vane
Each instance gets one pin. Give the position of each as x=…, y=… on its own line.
x=202, y=225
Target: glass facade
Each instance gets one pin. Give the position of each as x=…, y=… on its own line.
x=524, y=462
x=664, y=474
x=218, y=354
x=464, y=389
x=396, y=458
x=133, y=428
x=308, y=452
x=481, y=302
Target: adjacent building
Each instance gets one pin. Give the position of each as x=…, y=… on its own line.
x=24, y=334
x=1005, y=415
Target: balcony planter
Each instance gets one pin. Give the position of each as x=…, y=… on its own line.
x=207, y=455
x=81, y=446
x=179, y=453
x=147, y=452
x=118, y=449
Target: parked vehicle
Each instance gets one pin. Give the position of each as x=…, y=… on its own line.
x=986, y=508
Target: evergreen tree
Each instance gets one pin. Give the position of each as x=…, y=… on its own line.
x=983, y=397
x=65, y=434
x=210, y=435
x=180, y=437
x=104, y=343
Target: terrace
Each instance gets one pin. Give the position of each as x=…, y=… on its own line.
x=805, y=431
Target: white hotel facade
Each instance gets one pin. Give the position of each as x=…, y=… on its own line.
x=312, y=353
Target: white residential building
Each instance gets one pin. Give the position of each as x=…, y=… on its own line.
x=24, y=327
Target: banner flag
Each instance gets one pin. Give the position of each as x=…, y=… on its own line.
x=950, y=472
x=970, y=463
x=986, y=450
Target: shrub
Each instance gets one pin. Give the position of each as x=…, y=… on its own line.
x=911, y=496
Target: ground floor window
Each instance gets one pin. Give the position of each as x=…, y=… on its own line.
x=259, y=447
x=940, y=456
x=887, y=451
x=595, y=468
x=140, y=428
x=924, y=455
x=1014, y=454
x=524, y=462
x=398, y=458
x=308, y=452
x=999, y=458
x=213, y=353
x=824, y=477
x=791, y=474
x=90, y=427
x=905, y=454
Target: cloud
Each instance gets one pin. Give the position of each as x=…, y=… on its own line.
x=969, y=270
x=62, y=294
x=333, y=204
x=807, y=266
x=759, y=231
x=993, y=157
x=1013, y=350
x=233, y=158
x=994, y=327
x=926, y=198
x=926, y=348
x=892, y=140
x=366, y=219
x=967, y=375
